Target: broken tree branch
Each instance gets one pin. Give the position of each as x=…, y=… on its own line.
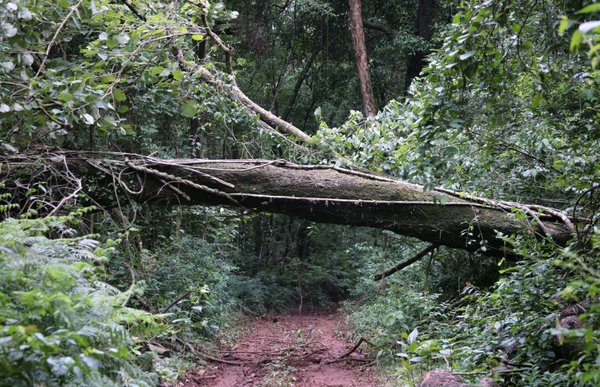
x=217, y=40
x=176, y=300
x=405, y=263
x=353, y=349
x=206, y=356
x=240, y=96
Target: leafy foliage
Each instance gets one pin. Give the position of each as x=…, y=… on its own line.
x=502, y=94
x=107, y=75
x=508, y=107
x=587, y=31
x=200, y=275
x=504, y=109
x=60, y=323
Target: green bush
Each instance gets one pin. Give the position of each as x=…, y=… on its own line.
x=513, y=332
x=60, y=324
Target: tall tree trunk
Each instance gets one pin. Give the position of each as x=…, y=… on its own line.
x=360, y=52
x=299, y=82
x=424, y=29
x=316, y=193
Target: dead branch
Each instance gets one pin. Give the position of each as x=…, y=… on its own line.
x=176, y=300
x=177, y=179
x=67, y=198
x=207, y=356
x=217, y=40
x=405, y=263
x=509, y=206
x=240, y=96
x=353, y=349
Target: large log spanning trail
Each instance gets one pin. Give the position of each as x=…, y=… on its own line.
x=318, y=193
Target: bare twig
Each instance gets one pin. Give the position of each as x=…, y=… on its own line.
x=405, y=263
x=215, y=38
x=77, y=189
x=175, y=301
x=207, y=356
x=177, y=179
x=353, y=349
x=558, y=214
x=227, y=50
x=528, y=209
x=133, y=10
x=53, y=40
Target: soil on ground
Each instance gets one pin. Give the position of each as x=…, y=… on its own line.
x=289, y=350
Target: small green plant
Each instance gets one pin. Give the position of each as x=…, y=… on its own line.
x=419, y=356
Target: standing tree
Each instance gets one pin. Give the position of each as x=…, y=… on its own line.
x=424, y=29
x=360, y=52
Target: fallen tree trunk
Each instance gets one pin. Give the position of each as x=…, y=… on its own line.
x=317, y=193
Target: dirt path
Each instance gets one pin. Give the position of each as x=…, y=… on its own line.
x=289, y=350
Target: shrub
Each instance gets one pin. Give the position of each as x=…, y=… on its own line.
x=60, y=324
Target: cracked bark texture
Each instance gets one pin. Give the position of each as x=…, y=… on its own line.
x=317, y=193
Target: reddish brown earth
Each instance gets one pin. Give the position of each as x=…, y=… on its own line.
x=289, y=350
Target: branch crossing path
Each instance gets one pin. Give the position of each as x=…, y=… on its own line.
x=290, y=350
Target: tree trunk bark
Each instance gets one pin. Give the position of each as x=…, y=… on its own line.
x=362, y=63
x=317, y=193
x=299, y=82
x=424, y=28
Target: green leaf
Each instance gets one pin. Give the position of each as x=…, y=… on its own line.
x=198, y=37
x=413, y=336
x=119, y=95
x=467, y=55
x=108, y=78
x=450, y=151
x=590, y=9
x=65, y=96
x=590, y=26
x=576, y=40
x=156, y=70
x=189, y=109
x=88, y=119
x=110, y=121
x=112, y=43
x=177, y=75
x=536, y=100
x=564, y=24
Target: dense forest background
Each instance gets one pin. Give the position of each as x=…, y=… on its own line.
x=496, y=100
